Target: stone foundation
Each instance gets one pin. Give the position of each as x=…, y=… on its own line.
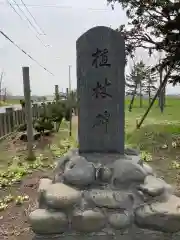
x=99, y=196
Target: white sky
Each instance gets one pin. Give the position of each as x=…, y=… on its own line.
x=63, y=26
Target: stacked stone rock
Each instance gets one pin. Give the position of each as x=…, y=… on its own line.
x=104, y=196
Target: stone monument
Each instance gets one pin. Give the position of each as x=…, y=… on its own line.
x=101, y=190
x=100, y=88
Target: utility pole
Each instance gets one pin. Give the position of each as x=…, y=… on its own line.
x=67, y=93
x=162, y=92
x=70, y=78
x=1, y=78
x=70, y=102
x=56, y=93
x=5, y=95
x=28, y=112
x=56, y=100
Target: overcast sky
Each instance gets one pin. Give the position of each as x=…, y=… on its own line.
x=62, y=25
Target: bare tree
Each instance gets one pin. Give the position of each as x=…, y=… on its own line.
x=135, y=82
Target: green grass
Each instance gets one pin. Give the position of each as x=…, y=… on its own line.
x=156, y=123
x=159, y=135
x=13, y=101
x=16, y=166
x=13, y=162
x=9, y=102
x=156, y=137
x=12, y=149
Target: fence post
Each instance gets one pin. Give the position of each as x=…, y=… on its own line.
x=35, y=110
x=9, y=111
x=1, y=125
x=28, y=111
x=5, y=123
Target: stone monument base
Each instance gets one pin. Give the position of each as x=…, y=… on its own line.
x=134, y=233
x=96, y=196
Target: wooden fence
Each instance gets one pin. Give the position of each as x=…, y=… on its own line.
x=12, y=119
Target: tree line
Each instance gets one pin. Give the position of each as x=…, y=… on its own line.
x=154, y=26
x=141, y=81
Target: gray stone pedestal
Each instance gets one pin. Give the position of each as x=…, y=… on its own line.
x=134, y=234
x=108, y=196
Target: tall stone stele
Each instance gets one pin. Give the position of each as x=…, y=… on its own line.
x=101, y=90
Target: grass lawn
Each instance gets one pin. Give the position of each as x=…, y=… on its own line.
x=159, y=137
x=9, y=102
